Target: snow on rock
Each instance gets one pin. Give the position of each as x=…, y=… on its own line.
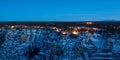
x=48, y=44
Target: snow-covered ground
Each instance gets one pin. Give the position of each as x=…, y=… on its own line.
x=48, y=44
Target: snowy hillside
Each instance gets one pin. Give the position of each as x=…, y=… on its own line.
x=52, y=43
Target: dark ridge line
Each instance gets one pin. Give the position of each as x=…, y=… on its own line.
x=55, y=23
x=59, y=21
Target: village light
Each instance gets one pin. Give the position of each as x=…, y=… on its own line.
x=12, y=27
x=89, y=23
x=64, y=33
x=75, y=32
x=86, y=31
x=57, y=30
x=94, y=28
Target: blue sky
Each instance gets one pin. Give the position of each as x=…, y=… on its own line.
x=59, y=10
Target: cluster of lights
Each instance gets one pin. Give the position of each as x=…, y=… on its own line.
x=89, y=23
x=24, y=26
x=74, y=31
x=57, y=29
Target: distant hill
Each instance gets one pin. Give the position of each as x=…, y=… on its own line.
x=110, y=20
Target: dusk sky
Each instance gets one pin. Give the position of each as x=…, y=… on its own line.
x=59, y=10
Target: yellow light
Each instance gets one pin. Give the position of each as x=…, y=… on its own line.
x=75, y=32
x=63, y=32
x=89, y=23
x=94, y=28
x=86, y=31
x=12, y=27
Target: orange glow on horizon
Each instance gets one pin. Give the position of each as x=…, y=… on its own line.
x=89, y=23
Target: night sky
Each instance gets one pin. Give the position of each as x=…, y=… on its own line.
x=59, y=10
